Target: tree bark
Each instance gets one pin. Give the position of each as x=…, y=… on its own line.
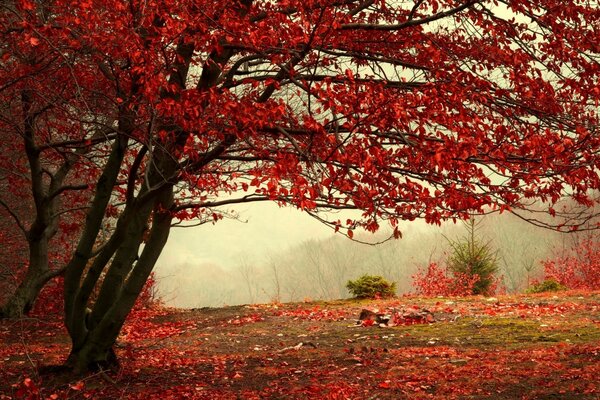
x=93, y=223
x=38, y=274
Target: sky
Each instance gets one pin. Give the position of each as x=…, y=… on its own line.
x=264, y=228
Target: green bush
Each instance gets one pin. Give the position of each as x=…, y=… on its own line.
x=473, y=258
x=371, y=287
x=549, y=285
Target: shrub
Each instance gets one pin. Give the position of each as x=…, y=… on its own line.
x=548, y=285
x=578, y=268
x=438, y=281
x=371, y=287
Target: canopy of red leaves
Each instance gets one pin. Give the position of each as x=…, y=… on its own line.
x=426, y=110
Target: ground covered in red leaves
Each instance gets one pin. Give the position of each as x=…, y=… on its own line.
x=535, y=346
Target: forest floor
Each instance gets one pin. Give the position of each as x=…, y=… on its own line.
x=511, y=347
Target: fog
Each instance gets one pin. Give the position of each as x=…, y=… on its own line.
x=282, y=254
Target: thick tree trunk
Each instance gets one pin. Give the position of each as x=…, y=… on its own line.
x=93, y=335
x=93, y=347
x=92, y=358
x=75, y=268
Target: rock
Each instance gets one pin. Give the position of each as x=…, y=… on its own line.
x=373, y=317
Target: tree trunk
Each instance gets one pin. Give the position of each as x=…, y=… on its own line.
x=21, y=301
x=38, y=274
x=93, y=333
x=92, y=357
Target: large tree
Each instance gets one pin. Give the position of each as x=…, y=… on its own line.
x=428, y=109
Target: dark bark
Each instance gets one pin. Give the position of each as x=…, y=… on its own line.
x=38, y=271
x=22, y=300
x=93, y=331
x=75, y=268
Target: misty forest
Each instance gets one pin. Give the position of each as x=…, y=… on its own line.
x=318, y=269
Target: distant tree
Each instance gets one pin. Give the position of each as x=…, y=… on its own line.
x=176, y=109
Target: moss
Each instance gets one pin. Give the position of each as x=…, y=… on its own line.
x=486, y=332
x=549, y=285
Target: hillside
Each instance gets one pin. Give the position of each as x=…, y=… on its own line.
x=534, y=347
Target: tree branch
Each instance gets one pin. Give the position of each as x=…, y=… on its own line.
x=410, y=22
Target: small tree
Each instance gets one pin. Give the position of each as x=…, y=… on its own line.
x=474, y=258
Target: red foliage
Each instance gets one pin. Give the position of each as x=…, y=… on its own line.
x=249, y=319
x=51, y=299
x=464, y=99
x=438, y=281
x=579, y=268
x=143, y=325
x=315, y=313
x=27, y=390
x=148, y=297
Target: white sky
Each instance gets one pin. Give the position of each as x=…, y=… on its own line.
x=269, y=229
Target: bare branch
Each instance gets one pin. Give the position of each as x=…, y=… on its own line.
x=14, y=216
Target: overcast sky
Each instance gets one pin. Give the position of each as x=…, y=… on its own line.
x=269, y=229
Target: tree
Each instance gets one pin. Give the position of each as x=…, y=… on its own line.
x=38, y=235
x=403, y=110
x=471, y=257
x=45, y=163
